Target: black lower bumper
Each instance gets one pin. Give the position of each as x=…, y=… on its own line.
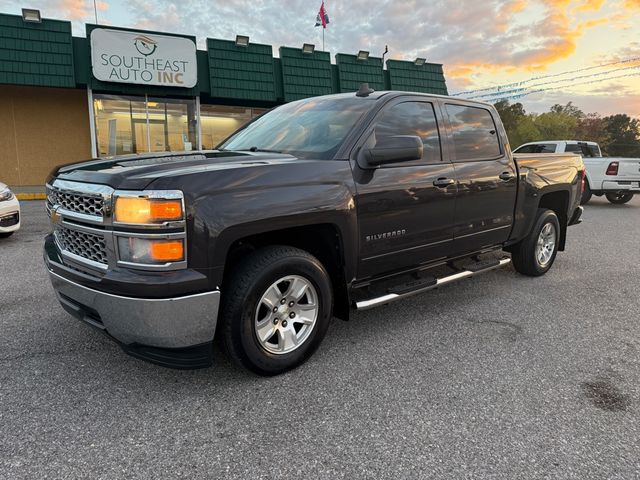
x=189, y=358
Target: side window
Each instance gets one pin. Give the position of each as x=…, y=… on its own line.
x=525, y=149
x=573, y=148
x=537, y=148
x=412, y=118
x=473, y=132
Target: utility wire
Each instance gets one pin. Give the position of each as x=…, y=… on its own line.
x=499, y=96
x=533, y=79
x=591, y=75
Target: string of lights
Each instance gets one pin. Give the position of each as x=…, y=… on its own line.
x=552, y=82
x=500, y=96
x=541, y=77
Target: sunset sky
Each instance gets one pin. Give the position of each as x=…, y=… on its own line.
x=481, y=43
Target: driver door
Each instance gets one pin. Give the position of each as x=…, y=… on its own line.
x=406, y=209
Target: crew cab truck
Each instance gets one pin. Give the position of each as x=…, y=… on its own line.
x=617, y=178
x=318, y=206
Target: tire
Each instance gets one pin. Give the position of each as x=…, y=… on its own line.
x=527, y=255
x=249, y=299
x=619, y=198
x=6, y=234
x=586, y=194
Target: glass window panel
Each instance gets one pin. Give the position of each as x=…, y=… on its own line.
x=218, y=122
x=114, y=128
x=412, y=118
x=474, y=133
x=126, y=125
x=537, y=148
x=172, y=125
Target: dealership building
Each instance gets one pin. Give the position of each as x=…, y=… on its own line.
x=121, y=91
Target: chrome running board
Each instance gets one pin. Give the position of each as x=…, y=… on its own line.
x=392, y=297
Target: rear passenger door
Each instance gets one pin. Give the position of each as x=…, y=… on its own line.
x=405, y=210
x=486, y=177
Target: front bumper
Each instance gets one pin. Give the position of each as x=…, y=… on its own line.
x=9, y=216
x=168, y=331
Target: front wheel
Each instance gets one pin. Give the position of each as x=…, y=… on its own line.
x=619, y=198
x=276, y=309
x=535, y=254
x=6, y=234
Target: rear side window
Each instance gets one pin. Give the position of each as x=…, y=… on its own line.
x=539, y=148
x=573, y=148
x=412, y=118
x=584, y=149
x=474, y=133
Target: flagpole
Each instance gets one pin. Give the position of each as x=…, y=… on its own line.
x=323, y=29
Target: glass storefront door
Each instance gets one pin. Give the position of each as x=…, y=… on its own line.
x=126, y=125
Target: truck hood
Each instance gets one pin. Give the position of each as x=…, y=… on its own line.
x=136, y=172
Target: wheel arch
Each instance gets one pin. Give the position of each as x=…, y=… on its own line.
x=558, y=202
x=324, y=241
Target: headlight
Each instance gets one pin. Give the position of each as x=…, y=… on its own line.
x=149, y=208
x=5, y=194
x=150, y=251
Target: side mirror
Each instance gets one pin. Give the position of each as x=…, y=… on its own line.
x=394, y=149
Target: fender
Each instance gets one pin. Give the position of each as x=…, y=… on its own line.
x=538, y=180
x=269, y=196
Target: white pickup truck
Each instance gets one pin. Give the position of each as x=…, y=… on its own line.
x=616, y=178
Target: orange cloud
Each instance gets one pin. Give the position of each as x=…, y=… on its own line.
x=631, y=4
x=589, y=5
x=556, y=39
x=79, y=9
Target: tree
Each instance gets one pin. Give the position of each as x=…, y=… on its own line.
x=593, y=128
x=512, y=116
x=568, y=109
x=618, y=135
x=624, y=136
x=557, y=125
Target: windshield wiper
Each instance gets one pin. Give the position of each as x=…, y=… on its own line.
x=256, y=149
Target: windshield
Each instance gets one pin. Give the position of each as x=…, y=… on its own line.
x=313, y=128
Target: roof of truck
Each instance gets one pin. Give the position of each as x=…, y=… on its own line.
x=558, y=141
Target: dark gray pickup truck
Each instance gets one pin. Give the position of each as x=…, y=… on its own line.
x=316, y=207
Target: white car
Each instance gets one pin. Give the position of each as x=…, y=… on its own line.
x=9, y=212
x=616, y=178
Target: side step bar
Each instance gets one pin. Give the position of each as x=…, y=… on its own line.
x=392, y=297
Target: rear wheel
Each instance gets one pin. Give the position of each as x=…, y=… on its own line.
x=535, y=255
x=6, y=234
x=586, y=193
x=619, y=198
x=276, y=310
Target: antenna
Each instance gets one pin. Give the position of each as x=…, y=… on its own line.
x=364, y=90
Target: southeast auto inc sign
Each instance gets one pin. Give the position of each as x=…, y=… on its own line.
x=143, y=58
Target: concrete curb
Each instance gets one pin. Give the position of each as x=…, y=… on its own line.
x=31, y=196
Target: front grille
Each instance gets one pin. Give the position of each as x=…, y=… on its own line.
x=77, y=202
x=85, y=245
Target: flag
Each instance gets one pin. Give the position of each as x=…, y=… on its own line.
x=323, y=17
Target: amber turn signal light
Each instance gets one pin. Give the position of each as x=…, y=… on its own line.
x=169, y=251
x=136, y=210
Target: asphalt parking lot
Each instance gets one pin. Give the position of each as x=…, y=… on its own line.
x=501, y=376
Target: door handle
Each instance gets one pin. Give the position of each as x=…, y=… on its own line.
x=443, y=182
x=506, y=176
